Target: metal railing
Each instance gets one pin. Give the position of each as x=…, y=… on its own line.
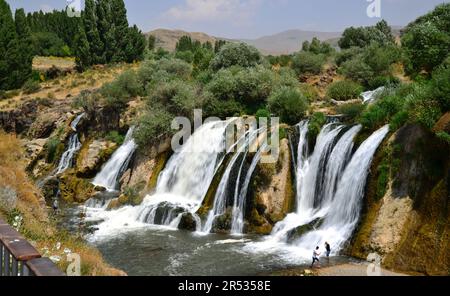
x=19, y=258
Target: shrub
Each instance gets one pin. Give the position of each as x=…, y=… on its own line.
x=220, y=108
x=31, y=86
x=426, y=41
x=177, y=97
x=316, y=122
x=422, y=107
x=441, y=86
x=246, y=85
x=308, y=63
x=351, y=111
x=119, y=92
x=262, y=113
x=116, y=137
x=236, y=54
x=382, y=111
x=347, y=54
x=444, y=137
x=52, y=147
x=344, y=90
x=357, y=70
x=386, y=81
x=289, y=103
x=153, y=125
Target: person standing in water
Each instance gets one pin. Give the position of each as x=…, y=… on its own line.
x=328, y=249
x=316, y=255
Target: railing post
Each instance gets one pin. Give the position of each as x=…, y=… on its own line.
x=1, y=258
x=6, y=262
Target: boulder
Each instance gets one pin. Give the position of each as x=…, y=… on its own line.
x=187, y=222
x=74, y=189
x=33, y=150
x=44, y=124
x=222, y=223
x=299, y=231
x=92, y=156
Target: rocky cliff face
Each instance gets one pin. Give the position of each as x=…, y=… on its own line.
x=410, y=225
x=273, y=190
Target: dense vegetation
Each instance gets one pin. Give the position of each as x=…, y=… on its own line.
x=15, y=53
x=104, y=35
x=101, y=36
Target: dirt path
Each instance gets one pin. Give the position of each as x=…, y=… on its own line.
x=353, y=269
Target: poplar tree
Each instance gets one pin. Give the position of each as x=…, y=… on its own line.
x=93, y=37
x=120, y=21
x=82, y=50
x=25, y=58
x=8, y=46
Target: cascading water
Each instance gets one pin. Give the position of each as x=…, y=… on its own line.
x=109, y=176
x=73, y=147
x=338, y=212
x=223, y=190
x=237, y=223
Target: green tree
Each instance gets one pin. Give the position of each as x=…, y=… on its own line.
x=381, y=33
x=93, y=37
x=236, y=54
x=288, y=103
x=82, y=50
x=25, y=58
x=135, y=46
x=9, y=47
x=184, y=44
x=151, y=42
x=120, y=21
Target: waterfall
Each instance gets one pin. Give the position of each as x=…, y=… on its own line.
x=73, y=147
x=237, y=225
x=184, y=182
x=109, y=175
x=309, y=173
x=342, y=218
x=237, y=161
x=336, y=216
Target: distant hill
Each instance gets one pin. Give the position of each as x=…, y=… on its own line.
x=285, y=42
x=168, y=39
x=288, y=41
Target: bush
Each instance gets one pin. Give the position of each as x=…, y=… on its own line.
x=52, y=147
x=289, y=104
x=382, y=111
x=119, y=92
x=116, y=137
x=31, y=86
x=308, y=63
x=347, y=54
x=441, y=86
x=236, y=54
x=426, y=41
x=422, y=107
x=316, y=122
x=357, y=70
x=262, y=113
x=220, y=108
x=153, y=125
x=386, y=81
x=177, y=97
x=351, y=111
x=444, y=137
x=246, y=85
x=344, y=90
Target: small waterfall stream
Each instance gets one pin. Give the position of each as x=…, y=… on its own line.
x=111, y=172
x=74, y=146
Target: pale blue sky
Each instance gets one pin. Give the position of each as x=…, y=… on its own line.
x=255, y=18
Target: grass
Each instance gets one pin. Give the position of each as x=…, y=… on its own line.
x=36, y=225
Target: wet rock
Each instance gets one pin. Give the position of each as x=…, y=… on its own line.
x=187, y=222
x=275, y=193
x=222, y=223
x=92, y=156
x=99, y=188
x=50, y=189
x=298, y=232
x=74, y=189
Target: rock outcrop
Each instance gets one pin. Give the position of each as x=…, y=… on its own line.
x=92, y=156
x=410, y=225
x=274, y=194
